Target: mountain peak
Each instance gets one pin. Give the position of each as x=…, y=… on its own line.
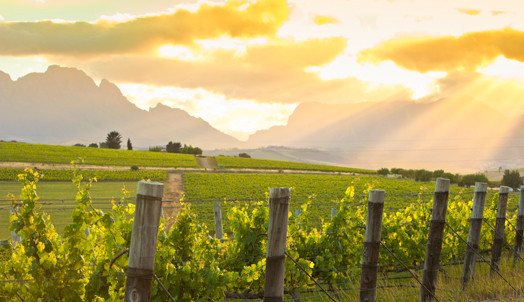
x=64, y=104
x=4, y=77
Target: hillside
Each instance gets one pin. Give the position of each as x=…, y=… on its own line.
x=65, y=106
x=459, y=131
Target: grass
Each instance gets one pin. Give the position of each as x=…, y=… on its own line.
x=58, y=199
x=484, y=287
x=51, y=154
x=251, y=163
x=100, y=175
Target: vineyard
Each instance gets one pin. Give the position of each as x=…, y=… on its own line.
x=100, y=175
x=50, y=154
x=35, y=153
x=251, y=163
x=192, y=266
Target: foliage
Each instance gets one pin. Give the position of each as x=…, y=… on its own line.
x=93, y=145
x=511, y=179
x=79, y=145
x=423, y=175
x=470, y=179
x=102, y=175
x=251, y=163
x=129, y=145
x=193, y=266
x=155, y=149
x=172, y=147
x=191, y=150
x=113, y=140
x=244, y=155
x=383, y=171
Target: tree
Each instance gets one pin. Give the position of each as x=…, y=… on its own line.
x=383, y=171
x=173, y=147
x=511, y=179
x=191, y=150
x=113, y=140
x=244, y=155
x=423, y=175
x=470, y=179
x=129, y=146
x=93, y=145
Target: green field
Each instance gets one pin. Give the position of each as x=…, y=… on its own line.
x=319, y=188
x=50, y=154
x=100, y=175
x=251, y=163
x=35, y=153
x=58, y=199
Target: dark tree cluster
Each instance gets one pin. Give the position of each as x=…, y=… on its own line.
x=176, y=147
x=113, y=140
x=512, y=179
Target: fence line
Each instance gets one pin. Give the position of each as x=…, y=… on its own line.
x=427, y=290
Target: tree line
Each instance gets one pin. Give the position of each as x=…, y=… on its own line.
x=511, y=178
x=114, y=141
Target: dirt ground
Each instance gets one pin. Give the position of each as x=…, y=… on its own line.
x=173, y=193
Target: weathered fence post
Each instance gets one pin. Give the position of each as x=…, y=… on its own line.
x=368, y=275
x=475, y=225
x=498, y=237
x=14, y=236
x=520, y=227
x=434, y=246
x=333, y=212
x=143, y=242
x=276, y=244
x=219, y=231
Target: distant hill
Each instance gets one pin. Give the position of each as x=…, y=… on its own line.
x=65, y=106
x=460, y=133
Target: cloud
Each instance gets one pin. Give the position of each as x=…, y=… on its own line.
x=321, y=20
x=267, y=73
x=236, y=19
x=466, y=52
x=471, y=12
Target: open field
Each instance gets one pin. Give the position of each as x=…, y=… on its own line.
x=35, y=153
x=202, y=190
x=50, y=154
x=497, y=175
x=58, y=200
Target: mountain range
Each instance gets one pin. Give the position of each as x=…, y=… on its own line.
x=66, y=106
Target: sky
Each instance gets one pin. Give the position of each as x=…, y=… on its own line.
x=244, y=66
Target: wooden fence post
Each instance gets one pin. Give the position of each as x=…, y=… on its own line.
x=219, y=231
x=143, y=242
x=368, y=275
x=434, y=246
x=520, y=227
x=276, y=244
x=475, y=225
x=498, y=237
x=333, y=212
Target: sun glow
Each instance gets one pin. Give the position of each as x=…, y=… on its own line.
x=386, y=73
x=237, y=117
x=178, y=52
x=505, y=68
x=229, y=43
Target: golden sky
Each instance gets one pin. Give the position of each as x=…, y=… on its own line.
x=245, y=65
